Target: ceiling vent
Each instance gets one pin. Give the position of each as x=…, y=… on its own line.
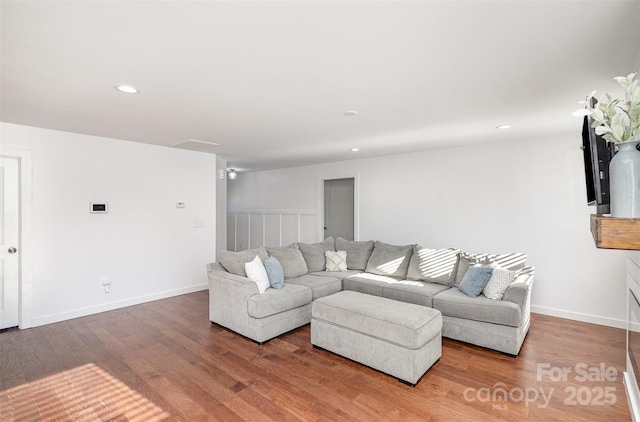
x=197, y=145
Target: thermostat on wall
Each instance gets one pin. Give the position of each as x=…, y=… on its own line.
x=98, y=207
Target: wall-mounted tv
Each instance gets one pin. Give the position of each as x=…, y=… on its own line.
x=597, y=155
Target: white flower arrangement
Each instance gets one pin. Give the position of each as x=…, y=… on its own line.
x=615, y=119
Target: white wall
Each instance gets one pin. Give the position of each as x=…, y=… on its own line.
x=148, y=247
x=496, y=197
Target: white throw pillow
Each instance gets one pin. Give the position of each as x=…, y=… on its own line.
x=498, y=283
x=336, y=261
x=256, y=272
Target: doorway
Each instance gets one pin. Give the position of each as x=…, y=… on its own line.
x=16, y=276
x=9, y=242
x=339, y=208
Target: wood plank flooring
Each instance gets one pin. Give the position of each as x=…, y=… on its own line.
x=168, y=352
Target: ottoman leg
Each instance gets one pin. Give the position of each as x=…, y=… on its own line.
x=406, y=382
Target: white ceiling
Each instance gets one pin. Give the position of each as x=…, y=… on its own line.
x=269, y=81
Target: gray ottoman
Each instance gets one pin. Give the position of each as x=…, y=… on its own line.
x=397, y=338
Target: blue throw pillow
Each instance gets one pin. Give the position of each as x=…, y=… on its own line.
x=475, y=280
x=276, y=273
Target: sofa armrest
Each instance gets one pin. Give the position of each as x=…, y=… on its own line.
x=223, y=281
x=228, y=298
x=519, y=292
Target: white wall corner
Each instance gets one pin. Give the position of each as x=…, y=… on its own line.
x=221, y=204
x=576, y=316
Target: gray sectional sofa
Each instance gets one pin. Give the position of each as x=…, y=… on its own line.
x=412, y=274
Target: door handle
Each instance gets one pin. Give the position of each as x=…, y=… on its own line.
x=12, y=250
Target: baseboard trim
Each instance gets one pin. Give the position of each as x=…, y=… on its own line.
x=50, y=319
x=576, y=316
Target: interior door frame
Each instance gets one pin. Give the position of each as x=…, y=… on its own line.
x=25, y=192
x=356, y=201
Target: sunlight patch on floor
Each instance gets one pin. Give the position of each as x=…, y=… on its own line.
x=83, y=393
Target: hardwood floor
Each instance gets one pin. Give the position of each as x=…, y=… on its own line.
x=168, y=352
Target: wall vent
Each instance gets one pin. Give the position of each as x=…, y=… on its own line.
x=197, y=145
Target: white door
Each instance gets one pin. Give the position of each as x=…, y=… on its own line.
x=9, y=237
x=338, y=208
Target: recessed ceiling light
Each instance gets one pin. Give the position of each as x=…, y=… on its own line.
x=127, y=89
x=354, y=149
x=350, y=113
x=504, y=127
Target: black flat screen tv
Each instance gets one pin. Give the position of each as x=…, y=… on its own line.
x=597, y=155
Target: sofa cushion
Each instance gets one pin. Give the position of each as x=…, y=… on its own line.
x=510, y=261
x=475, y=280
x=320, y=286
x=454, y=303
x=274, y=272
x=274, y=301
x=500, y=280
x=371, y=284
x=233, y=262
x=256, y=272
x=336, y=261
x=358, y=252
x=291, y=259
x=389, y=260
x=417, y=292
x=433, y=265
x=314, y=253
x=463, y=263
x=337, y=274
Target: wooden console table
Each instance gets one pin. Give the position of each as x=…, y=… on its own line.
x=616, y=233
